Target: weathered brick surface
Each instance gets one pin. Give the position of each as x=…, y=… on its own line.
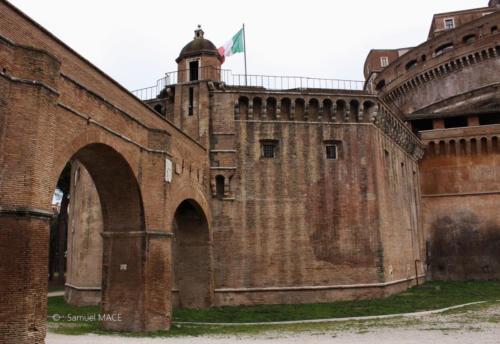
x=55, y=106
x=300, y=228
x=461, y=192
x=295, y=228
x=84, y=250
x=447, y=89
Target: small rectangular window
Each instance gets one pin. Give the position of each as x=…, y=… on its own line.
x=193, y=70
x=269, y=149
x=449, y=23
x=332, y=149
x=331, y=152
x=191, y=101
x=384, y=61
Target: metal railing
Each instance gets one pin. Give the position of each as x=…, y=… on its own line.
x=268, y=82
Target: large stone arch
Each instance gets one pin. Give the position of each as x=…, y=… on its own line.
x=192, y=255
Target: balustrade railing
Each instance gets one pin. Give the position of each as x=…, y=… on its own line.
x=269, y=82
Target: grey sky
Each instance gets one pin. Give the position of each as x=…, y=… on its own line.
x=136, y=42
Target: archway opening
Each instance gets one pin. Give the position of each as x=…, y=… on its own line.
x=193, y=285
x=105, y=245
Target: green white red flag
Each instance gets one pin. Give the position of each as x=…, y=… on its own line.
x=233, y=46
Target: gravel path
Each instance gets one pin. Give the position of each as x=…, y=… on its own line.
x=478, y=324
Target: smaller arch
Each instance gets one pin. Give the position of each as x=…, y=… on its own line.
x=192, y=263
x=380, y=85
x=257, y=107
x=341, y=110
x=443, y=48
x=286, y=107
x=470, y=38
x=491, y=52
x=368, y=110
x=271, y=108
x=243, y=106
x=477, y=56
x=442, y=147
x=484, y=54
x=299, y=109
x=411, y=64
x=354, y=110
x=484, y=145
x=431, y=148
x=494, y=29
x=462, y=148
x=327, y=109
x=313, y=110
x=494, y=144
x=453, y=147
x=473, y=146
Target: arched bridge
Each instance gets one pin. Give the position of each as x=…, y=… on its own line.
x=56, y=106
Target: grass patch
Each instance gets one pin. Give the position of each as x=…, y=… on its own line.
x=432, y=295
x=57, y=306
x=55, y=287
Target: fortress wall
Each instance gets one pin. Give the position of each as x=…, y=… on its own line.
x=461, y=194
x=299, y=219
x=399, y=202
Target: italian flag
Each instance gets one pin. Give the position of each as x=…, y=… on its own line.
x=233, y=46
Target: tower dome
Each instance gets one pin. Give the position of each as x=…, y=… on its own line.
x=198, y=46
x=199, y=60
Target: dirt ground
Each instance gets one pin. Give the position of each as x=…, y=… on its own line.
x=478, y=324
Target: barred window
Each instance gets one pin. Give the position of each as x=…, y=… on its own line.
x=331, y=151
x=269, y=149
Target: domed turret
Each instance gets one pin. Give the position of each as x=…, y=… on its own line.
x=199, y=59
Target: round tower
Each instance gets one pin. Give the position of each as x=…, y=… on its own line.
x=199, y=60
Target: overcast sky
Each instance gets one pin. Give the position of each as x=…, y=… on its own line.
x=137, y=41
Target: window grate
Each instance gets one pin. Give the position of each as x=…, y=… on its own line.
x=268, y=150
x=331, y=152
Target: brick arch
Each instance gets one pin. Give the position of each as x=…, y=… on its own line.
x=192, y=256
x=89, y=137
x=185, y=192
x=107, y=160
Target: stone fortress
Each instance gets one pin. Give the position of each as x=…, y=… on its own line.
x=220, y=189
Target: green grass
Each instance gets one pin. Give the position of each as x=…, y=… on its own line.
x=55, y=287
x=57, y=305
x=432, y=295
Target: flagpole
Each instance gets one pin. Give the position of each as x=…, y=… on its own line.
x=245, y=52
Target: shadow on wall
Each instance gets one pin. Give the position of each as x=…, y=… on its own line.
x=463, y=247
